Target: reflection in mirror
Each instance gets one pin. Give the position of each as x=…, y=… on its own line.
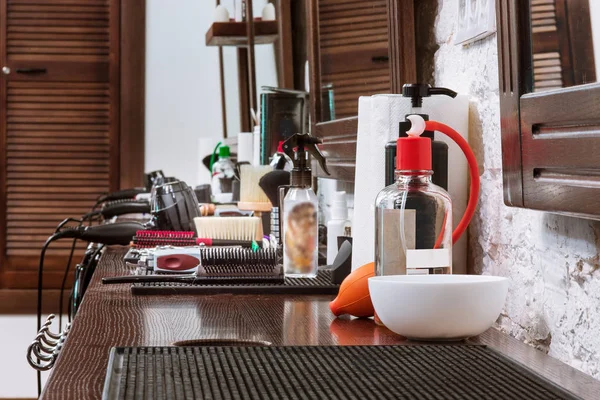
x=565, y=38
x=266, y=75
x=353, y=50
x=235, y=73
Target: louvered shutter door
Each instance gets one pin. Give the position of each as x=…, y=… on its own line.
x=354, y=50
x=60, y=128
x=561, y=44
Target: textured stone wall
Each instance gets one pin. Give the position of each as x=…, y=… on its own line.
x=552, y=261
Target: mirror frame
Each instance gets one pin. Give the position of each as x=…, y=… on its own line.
x=550, y=139
x=339, y=136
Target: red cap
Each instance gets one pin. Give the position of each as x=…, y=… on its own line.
x=280, y=147
x=413, y=153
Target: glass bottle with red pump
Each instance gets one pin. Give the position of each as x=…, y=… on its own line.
x=413, y=216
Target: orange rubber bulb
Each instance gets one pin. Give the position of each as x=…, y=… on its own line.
x=354, y=298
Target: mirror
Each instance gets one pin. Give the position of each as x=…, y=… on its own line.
x=565, y=43
x=352, y=52
x=353, y=48
x=266, y=75
x=548, y=63
x=235, y=70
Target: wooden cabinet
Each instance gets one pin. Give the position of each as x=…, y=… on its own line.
x=59, y=124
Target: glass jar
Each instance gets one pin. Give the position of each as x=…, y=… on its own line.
x=413, y=226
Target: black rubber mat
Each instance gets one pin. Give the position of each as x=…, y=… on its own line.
x=319, y=285
x=322, y=372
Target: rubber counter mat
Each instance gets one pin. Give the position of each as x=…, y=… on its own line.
x=322, y=372
x=319, y=285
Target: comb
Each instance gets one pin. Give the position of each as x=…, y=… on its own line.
x=239, y=262
x=146, y=239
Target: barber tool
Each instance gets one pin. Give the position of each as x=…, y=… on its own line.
x=180, y=259
x=218, y=265
x=270, y=184
x=116, y=208
x=119, y=233
x=252, y=197
x=121, y=194
x=300, y=206
x=174, y=207
x=146, y=239
x=230, y=228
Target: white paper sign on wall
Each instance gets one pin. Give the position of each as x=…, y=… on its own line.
x=476, y=20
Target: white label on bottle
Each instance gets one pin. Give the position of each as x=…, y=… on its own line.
x=436, y=258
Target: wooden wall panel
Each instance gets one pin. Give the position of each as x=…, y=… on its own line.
x=59, y=124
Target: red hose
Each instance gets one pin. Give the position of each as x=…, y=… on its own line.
x=473, y=173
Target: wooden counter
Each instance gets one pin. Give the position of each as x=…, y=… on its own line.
x=111, y=316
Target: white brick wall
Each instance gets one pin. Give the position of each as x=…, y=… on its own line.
x=552, y=261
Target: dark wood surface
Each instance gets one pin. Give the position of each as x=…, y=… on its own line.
x=111, y=316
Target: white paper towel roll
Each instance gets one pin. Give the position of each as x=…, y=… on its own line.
x=245, y=149
x=455, y=113
x=378, y=118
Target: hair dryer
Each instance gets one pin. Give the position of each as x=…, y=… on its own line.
x=109, y=234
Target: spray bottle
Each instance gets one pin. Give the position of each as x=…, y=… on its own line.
x=300, y=206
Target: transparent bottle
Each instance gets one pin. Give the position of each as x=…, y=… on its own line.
x=300, y=210
x=300, y=233
x=413, y=217
x=223, y=174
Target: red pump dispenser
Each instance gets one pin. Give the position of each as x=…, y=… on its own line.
x=413, y=153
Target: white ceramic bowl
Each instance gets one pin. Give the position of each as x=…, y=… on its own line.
x=438, y=307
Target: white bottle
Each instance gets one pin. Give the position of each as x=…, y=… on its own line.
x=337, y=224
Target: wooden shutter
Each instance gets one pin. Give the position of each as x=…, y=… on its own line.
x=354, y=50
x=59, y=125
x=561, y=34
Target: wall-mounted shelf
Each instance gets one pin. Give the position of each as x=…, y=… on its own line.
x=234, y=33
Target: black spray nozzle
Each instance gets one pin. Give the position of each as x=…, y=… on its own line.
x=416, y=92
x=300, y=143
